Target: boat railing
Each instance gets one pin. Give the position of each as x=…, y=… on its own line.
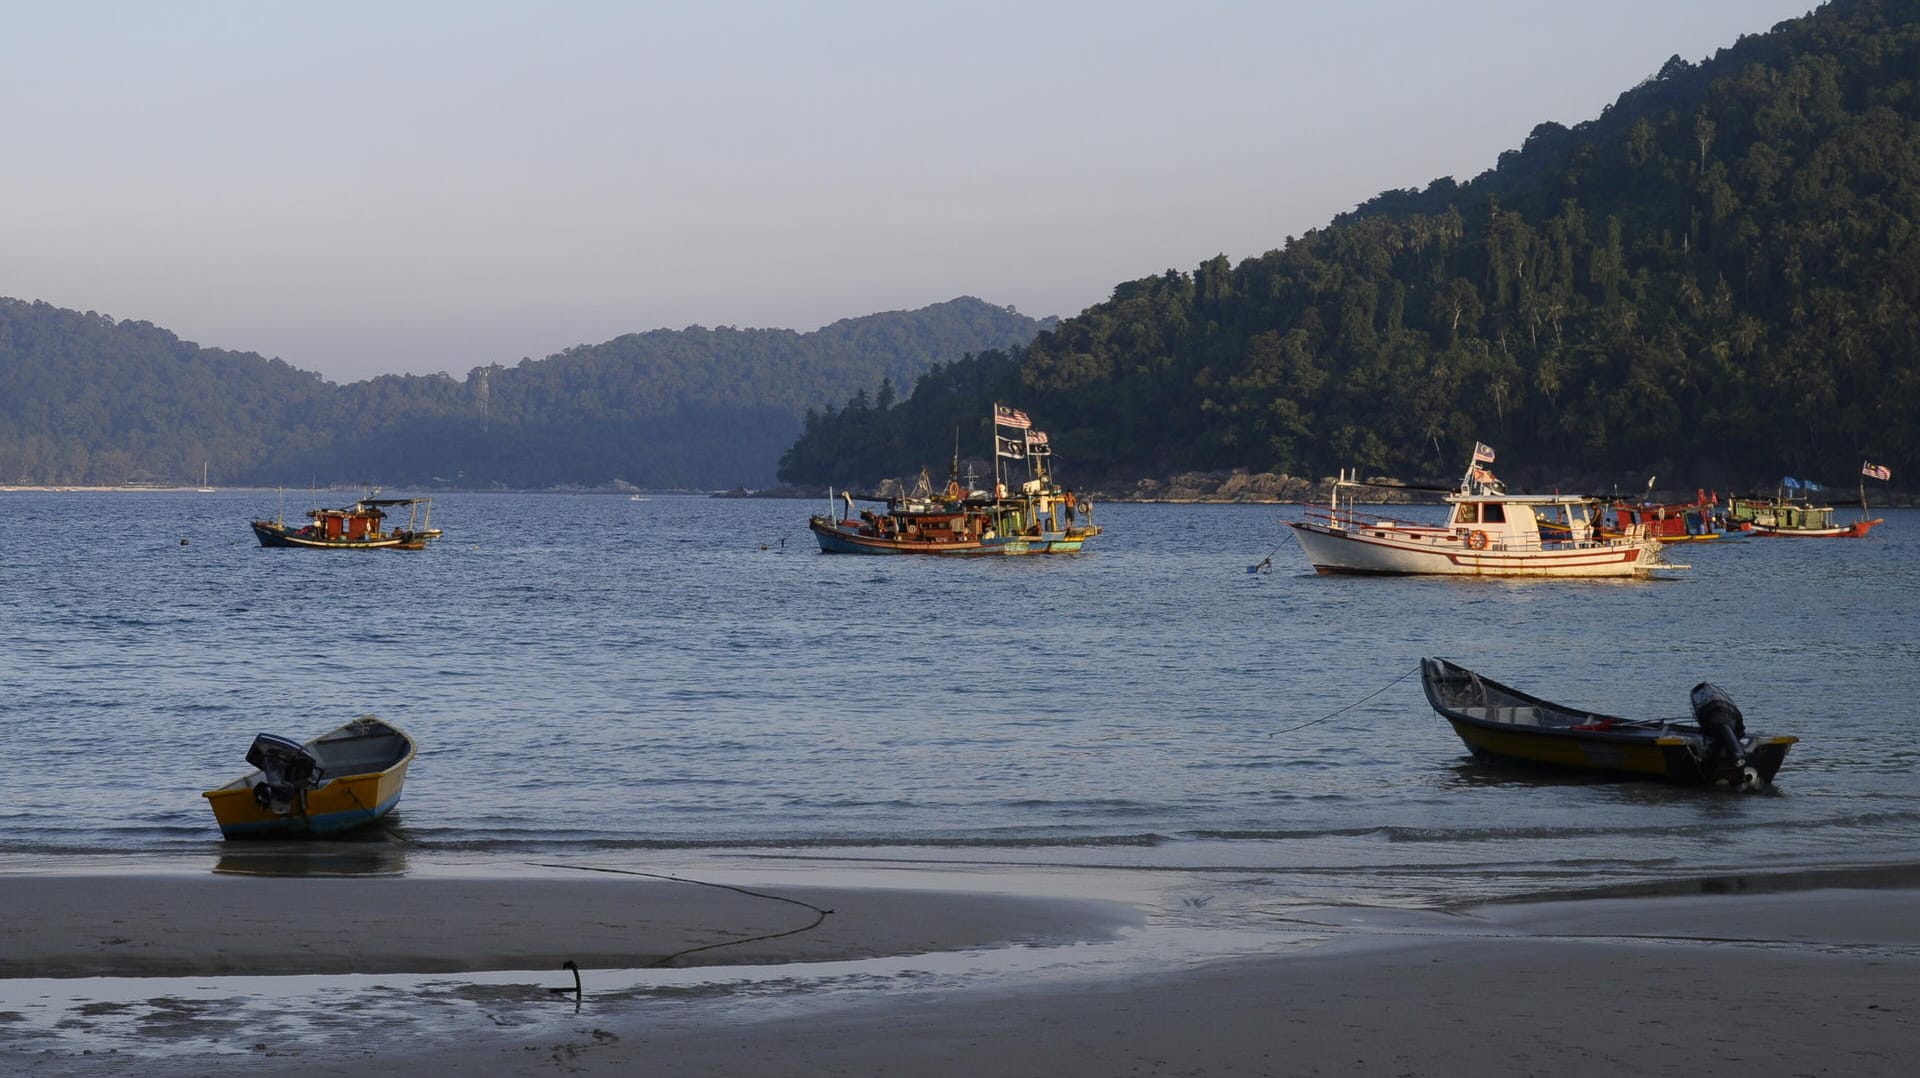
x=1350, y=519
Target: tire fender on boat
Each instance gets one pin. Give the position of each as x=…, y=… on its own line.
x=1477, y=540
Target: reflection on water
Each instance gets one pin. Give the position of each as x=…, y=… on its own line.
x=376, y=853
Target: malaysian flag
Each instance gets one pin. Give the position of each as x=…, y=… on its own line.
x=1010, y=447
x=1876, y=471
x=1482, y=453
x=1037, y=444
x=1011, y=417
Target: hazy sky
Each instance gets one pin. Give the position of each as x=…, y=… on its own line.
x=364, y=188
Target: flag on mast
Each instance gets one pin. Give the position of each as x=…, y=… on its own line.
x=1482, y=453
x=1011, y=417
x=1876, y=471
x=1037, y=444
x=1009, y=447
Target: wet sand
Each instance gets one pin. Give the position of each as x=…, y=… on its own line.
x=1807, y=982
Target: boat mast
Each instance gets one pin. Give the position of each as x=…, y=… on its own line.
x=994, y=423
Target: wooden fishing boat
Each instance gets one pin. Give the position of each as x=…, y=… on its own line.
x=1785, y=518
x=343, y=779
x=359, y=526
x=1710, y=748
x=1696, y=521
x=1037, y=517
x=1488, y=532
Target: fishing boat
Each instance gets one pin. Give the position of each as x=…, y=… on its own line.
x=1709, y=748
x=1036, y=517
x=360, y=526
x=1488, y=532
x=1782, y=516
x=343, y=779
x=1696, y=521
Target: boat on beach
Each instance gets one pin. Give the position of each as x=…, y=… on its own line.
x=1498, y=722
x=1488, y=532
x=1036, y=517
x=345, y=778
x=360, y=526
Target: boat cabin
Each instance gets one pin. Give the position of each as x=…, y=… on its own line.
x=1519, y=522
x=357, y=522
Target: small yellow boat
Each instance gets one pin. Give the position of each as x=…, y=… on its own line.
x=341, y=780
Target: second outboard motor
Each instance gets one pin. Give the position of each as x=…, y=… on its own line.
x=1720, y=720
x=286, y=769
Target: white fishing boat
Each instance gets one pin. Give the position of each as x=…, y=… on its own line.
x=1488, y=532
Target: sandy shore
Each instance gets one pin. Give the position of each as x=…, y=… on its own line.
x=183, y=926
x=1810, y=982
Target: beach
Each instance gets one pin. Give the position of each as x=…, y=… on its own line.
x=934, y=972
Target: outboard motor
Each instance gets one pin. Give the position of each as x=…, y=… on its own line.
x=286, y=770
x=1720, y=720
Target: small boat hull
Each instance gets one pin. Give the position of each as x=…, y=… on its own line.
x=272, y=534
x=1497, y=722
x=1856, y=530
x=366, y=764
x=849, y=537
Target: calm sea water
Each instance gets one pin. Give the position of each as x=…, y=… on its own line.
x=594, y=674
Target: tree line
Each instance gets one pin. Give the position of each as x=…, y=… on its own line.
x=1716, y=280
x=89, y=400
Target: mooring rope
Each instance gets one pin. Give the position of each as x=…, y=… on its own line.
x=1351, y=706
x=820, y=914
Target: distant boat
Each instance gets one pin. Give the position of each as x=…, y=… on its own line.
x=1676, y=522
x=204, y=488
x=1497, y=722
x=1786, y=518
x=1488, y=532
x=343, y=779
x=1037, y=517
x=354, y=527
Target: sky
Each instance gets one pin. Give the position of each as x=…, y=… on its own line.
x=364, y=188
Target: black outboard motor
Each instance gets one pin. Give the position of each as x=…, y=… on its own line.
x=286, y=769
x=1724, y=728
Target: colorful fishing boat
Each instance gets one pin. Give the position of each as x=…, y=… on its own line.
x=1488, y=532
x=360, y=526
x=1036, y=517
x=345, y=778
x=1709, y=748
x=1781, y=516
x=1696, y=521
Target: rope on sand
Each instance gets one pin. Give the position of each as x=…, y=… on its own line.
x=819, y=913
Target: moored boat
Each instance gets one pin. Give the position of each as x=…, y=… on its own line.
x=1671, y=522
x=1781, y=516
x=343, y=779
x=1037, y=517
x=1711, y=747
x=360, y=526
x=1488, y=532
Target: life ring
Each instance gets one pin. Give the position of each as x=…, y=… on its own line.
x=1476, y=540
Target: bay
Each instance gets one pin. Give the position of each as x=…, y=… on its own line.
x=592, y=674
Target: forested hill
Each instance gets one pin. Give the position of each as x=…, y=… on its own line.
x=1716, y=281
x=88, y=400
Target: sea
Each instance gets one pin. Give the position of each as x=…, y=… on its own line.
x=607, y=677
